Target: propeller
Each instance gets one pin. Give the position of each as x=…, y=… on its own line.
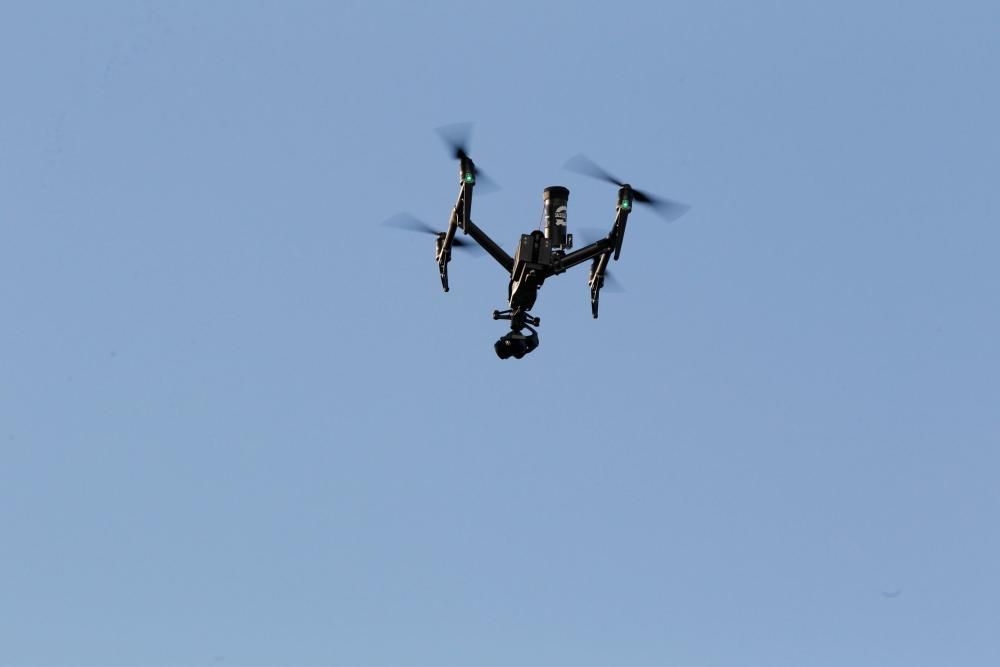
x=413, y=224
x=456, y=138
x=612, y=284
x=667, y=209
x=589, y=234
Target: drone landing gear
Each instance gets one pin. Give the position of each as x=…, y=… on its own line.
x=517, y=344
x=597, y=273
x=443, y=257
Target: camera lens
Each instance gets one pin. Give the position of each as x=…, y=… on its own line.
x=504, y=348
x=515, y=345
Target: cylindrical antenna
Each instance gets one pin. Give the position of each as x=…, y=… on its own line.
x=555, y=198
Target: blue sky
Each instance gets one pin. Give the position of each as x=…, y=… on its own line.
x=241, y=424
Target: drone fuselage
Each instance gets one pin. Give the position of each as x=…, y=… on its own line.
x=532, y=262
x=539, y=254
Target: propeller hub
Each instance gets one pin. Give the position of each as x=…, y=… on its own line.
x=625, y=197
x=467, y=169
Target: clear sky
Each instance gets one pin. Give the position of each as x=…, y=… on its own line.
x=241, y=424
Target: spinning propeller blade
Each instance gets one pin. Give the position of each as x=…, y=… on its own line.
x=413, y=224
x=582, y=164
x=589, y=234
x=667, y=209
x=456, y=138
x=611, y=284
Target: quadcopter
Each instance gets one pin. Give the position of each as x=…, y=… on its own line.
x=541, y=253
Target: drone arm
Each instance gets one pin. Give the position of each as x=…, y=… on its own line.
x=600, y=252
x=597, y=271
x=583, y=254
x=461, y=217
x=618, y=231
x=490, y=246
x=459, y=214
x=444, y=248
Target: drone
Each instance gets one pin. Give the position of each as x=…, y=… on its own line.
x=540, y=254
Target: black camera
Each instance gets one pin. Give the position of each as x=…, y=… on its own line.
x=515, y=345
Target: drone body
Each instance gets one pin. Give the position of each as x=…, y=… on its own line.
x=540, y=253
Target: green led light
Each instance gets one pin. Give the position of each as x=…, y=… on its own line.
x=469, y=178
x=626, y=204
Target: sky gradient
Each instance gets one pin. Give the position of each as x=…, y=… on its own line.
x=241, y=424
